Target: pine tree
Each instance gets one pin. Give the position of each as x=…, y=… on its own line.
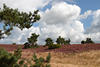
x=33, y=39
x=14, y=18
x=60, y=40
x=48, y=41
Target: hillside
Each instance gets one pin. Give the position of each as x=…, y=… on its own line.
x=74, y=48
x=76, y=55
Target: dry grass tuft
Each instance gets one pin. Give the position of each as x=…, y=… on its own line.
x=84, y=59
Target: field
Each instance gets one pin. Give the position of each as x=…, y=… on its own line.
x=87, y=55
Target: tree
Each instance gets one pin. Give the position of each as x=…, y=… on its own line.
x=82, y=42
x=14, y=18
x=33, y=39
x=67, y=41
x=27, y=45
x=1, y=34
x=60, y=40
x=49, y=41
x=88, y=40
x=7, y=59
x=41, y=62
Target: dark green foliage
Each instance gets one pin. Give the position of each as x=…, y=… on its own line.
x=13, y=17
x=33, y=39
x=13, y=43
x=67, y=41
x=25, y=65
x=21, y=62
x=41, y=62
x=12, y=60
x=17, y=53
x=82, y=42
x=88, y=40
x=48, y=58
x=60, y=40
x=48, y=41
x=47, y=65
x=1, y=34
x=7, y=59
x=35, y=58
x=54, y=46
x=27, y=45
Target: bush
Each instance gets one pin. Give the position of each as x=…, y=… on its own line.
x=27, y=45
x=53, y=46
x=11, y=60
x=88, y=40
x=48, y=58
x=17, y=53
x=48, y=41
x=82, y=42
x=13, y=43
x=7, y=59
x=41, y=62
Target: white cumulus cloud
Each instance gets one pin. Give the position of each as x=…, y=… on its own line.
x=62, y=19
x=25, y=5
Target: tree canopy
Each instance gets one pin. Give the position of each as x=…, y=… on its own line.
x=48, y=41
x=60, y=40
x=33, y=39
x=12, y=17
x=88, y=40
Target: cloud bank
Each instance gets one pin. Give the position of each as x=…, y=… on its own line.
x=62, y=19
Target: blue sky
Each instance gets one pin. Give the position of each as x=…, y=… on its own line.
x=61, y=19
x=85, y=5
x=88, y=5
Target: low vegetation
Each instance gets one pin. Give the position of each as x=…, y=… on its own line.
x=41, y=62
x=9, y=59
x=14, y=60
x=54, y=46
x=88, y=40
x=60, y=40
x=31, y=41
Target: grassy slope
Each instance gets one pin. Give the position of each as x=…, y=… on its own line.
x=84, y=59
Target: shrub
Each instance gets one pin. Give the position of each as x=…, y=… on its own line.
x=33, y=39
x=67, y=42
x=53, y=46
x=13, y=43
x=48, y=41
x=17, y=53
x=48, y=58
x=88, y=40
x=41, y=62
x=7, y=59
x=11, y=60
x=60, y=40
x=27, y=45
x=82, y=42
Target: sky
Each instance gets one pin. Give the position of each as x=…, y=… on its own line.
x=74, y=19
